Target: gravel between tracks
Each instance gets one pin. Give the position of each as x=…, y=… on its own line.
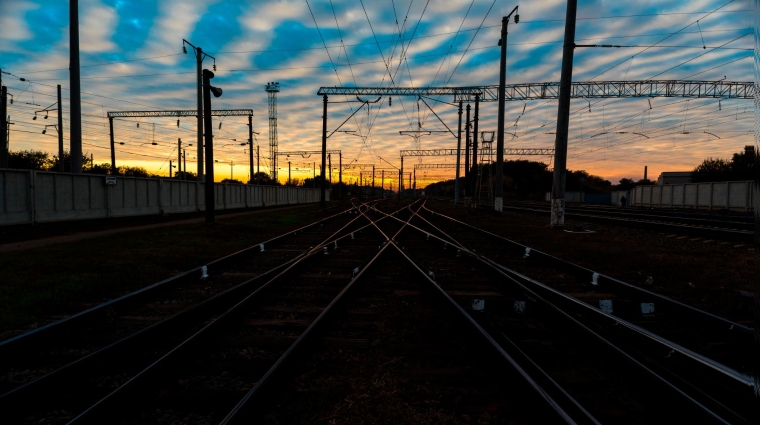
x=698, y=271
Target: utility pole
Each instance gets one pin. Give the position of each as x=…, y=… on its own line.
x=314, y=174
x=199, y=56
x=459, y=155
x=258, y=164
x=113, y=146
x=61, y=168
x=340, y=175
x=288, y=173
x=324, y=150
x=3, y=126
x=184, y=164
x=272, y=89
x=329, y=165
x=474, y=172
x=563, y=120
x=467, y=154
x=209, y=139
x=373, y=180
x=170, y=168
x=75, y=100
x=250, y=148
x=498, y=204
x=179, y=157
x=400, y=178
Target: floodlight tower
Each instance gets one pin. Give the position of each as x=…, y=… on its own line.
x=273, y=89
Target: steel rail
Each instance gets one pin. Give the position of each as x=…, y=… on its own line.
x=674, y=212
x=654, y=217
x=254, y=394
x=496, y=346
x=85, y=314
x=524, y=374
x=503, y=271
x=184, y=315
x=100, y=407
x=674, y=348
x=729, y=233
x=723, y=369
x=604, y=278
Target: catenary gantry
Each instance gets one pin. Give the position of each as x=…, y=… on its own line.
x=580, y=89
x=183, y=113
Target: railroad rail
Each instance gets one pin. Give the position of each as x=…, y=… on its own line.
x=227, y=358
x=704, y=227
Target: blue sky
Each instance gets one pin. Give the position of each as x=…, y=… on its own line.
x=131, y=57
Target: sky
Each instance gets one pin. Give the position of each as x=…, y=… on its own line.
x=132, y=60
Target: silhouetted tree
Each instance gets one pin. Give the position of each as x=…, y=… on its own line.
x=29, y=160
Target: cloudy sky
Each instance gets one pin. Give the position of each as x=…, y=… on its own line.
x=131, y=59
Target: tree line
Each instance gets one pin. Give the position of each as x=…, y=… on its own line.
x=526, y=179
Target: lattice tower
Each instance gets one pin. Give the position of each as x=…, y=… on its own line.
x=272, y=89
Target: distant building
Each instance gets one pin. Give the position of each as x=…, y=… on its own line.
x=674, y=177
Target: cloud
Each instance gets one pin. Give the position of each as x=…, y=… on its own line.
x=15, y=28
x=97, y=25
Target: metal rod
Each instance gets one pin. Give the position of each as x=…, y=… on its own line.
x=563, y=120
x=349, y=117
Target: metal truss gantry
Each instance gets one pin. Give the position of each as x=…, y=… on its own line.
x=446, y=152
x=580, y=89
x=433, y=166
x=177, y=114
x=547, y=90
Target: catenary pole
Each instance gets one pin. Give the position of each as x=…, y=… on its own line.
x=250, y=149
x=209, y=142
x=467, y=153
x=3, y=127
x=498, y=204
x=75, y=100
x=113, y=147
x=179, y=158
x=61, y=165
x=324, y=152
x=199, y=65
x=474, y=172
x=459, y=155
x=563, y=120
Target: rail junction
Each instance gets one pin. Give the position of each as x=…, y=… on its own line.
x=553, y=342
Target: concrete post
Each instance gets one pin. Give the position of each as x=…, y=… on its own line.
x=563, y=120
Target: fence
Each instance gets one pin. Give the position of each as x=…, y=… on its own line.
x=736, y=195
x=29, y=196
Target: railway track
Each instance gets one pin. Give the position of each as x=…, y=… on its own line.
x=562, y=359
x=39, y=361
x=728, y=228
x=706, y=356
